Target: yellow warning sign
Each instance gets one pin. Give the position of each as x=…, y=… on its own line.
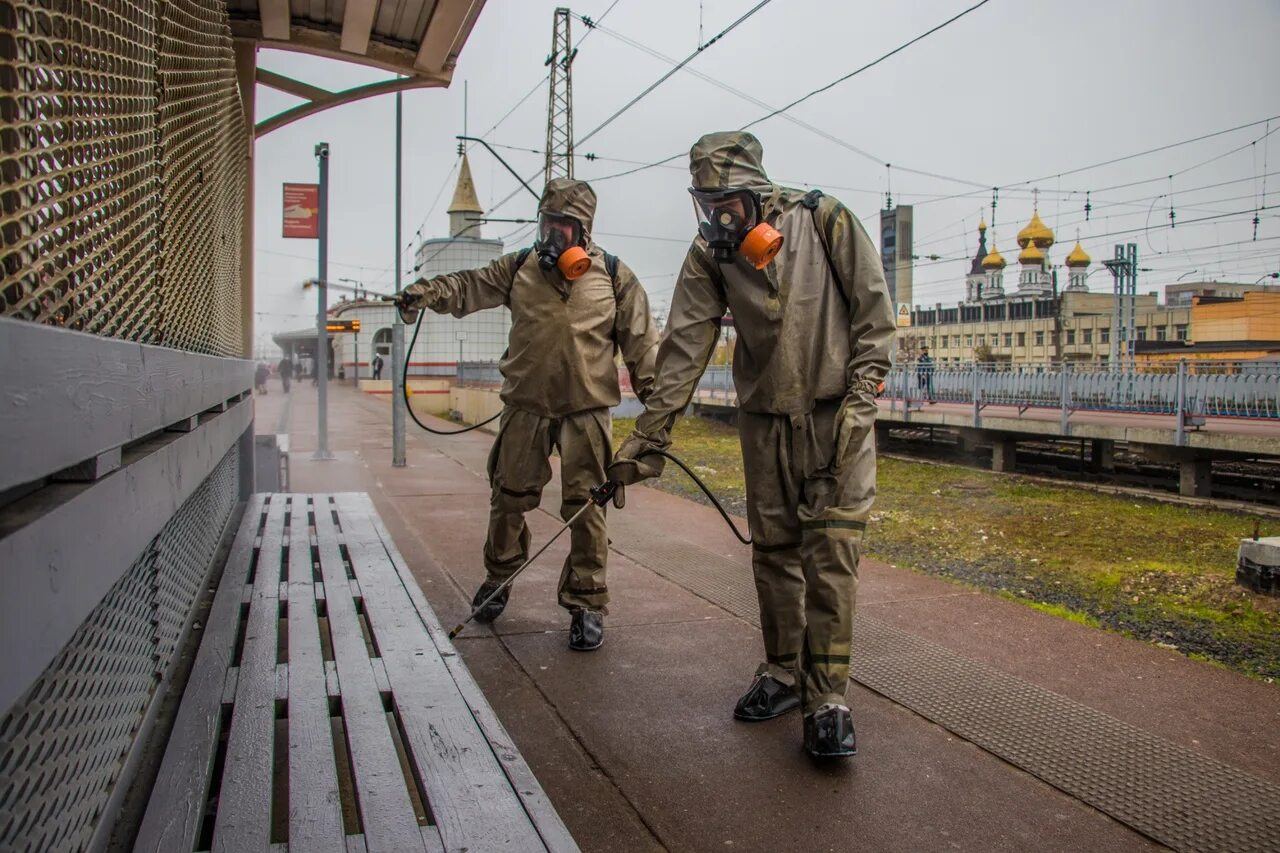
x=904, y=314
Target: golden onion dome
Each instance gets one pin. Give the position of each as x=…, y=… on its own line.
x=1078, y=257
x=982, y=225
x=1036, y=232
x=994, y=260
x=1031, y=255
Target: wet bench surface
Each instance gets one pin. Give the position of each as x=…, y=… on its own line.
x=328, y=711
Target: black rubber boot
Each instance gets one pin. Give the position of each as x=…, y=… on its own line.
x=828, y=733
x=494, y=608
x=765, y=699
x=586, y=630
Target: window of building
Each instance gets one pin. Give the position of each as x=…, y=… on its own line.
x=1008, y=339
x=981, y=340
x=1181, y=331
x=1071, y=336
x=1142, y=333
x=382, y=343
x=968, y=340
x=1088, y=336
x=1022, y=339
x=1039, y=339
x=1162, y=333
x=1104, y=336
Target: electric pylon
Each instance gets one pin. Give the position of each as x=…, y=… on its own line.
x=559, y=161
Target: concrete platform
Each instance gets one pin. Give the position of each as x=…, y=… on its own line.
x=635, y=744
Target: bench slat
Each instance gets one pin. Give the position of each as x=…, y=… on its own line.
x=386, y=811
x=243, y=823
x=176, y=808
x=315, y=807
x=471, y=798
x=555, y=835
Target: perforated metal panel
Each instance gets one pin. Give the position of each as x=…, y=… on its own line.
x=185, y=547
x=63, y=745
x=122, y=149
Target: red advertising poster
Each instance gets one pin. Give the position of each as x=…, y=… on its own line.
x=302, y=210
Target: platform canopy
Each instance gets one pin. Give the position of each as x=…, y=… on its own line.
x=418, y=39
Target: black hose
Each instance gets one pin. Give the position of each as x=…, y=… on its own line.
x=745, y=540
x=404, y=389
x=404, y=384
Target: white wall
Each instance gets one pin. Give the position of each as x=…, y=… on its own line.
x=484, y=334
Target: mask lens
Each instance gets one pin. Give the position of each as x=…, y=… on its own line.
x=725, y=217
x=558, y=232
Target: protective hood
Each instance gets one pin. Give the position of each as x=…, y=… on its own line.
x=730, y=159
x=570, y=198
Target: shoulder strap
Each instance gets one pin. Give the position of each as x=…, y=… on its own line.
x=522, y=256
x=611, y=266
x=811, y=200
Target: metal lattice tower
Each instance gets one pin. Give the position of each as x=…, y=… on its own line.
x=559, y=149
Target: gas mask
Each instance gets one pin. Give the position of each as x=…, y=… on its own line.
x=559, y=245
x=730, y=221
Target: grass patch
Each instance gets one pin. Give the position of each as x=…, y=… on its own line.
x=1157, y=571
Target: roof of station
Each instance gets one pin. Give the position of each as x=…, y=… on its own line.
x=417, y=39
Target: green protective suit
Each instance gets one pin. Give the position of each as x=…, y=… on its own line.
x=814, y=330
x=559, y=382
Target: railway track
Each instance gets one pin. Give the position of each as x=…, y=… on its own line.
x=1252, y=482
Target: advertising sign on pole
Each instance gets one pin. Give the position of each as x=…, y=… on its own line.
x=302, y=211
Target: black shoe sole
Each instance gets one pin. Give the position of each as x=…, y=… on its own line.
x=574, y=648
x=751, y=718
x=822, y=756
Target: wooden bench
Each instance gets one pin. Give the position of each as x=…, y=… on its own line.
x=328, y=711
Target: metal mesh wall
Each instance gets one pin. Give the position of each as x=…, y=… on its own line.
x=203, y=152
x=80, y=222
x=122, y=147
x=62, y=745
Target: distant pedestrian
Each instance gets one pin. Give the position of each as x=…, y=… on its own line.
x=377, y=366
x=924, y=374
x=286, y=373
x=260, y=377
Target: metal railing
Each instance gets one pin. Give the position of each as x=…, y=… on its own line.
x=1241, y=389
x=479, y=374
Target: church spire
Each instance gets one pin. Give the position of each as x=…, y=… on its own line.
x=465, y=207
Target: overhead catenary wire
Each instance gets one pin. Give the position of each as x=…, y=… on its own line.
x=655, y=84
x=577, y=142
x=766, y=106
x=780, y=111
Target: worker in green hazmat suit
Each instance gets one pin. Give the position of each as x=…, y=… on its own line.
x=814, y=329
x=573, y=306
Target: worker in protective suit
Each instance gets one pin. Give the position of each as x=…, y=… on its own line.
x=573, y=306
x=814, y=323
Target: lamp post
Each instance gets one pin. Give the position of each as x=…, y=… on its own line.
x=398, y=355
x=322, y=309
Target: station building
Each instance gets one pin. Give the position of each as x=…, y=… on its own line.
x=1038, y=319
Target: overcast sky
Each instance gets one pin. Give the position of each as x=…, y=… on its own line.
x=1012, y=92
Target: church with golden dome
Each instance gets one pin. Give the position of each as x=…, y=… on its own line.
x=985, y=281
x=1046, y=314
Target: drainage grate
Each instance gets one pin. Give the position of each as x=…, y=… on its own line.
x=1178, y=797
